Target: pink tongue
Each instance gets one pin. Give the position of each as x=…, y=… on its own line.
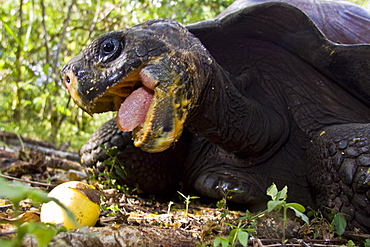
x=132, y=111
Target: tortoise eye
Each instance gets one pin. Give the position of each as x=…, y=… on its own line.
x=110, y=49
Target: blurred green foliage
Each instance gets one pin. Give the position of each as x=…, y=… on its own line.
x=39, y=36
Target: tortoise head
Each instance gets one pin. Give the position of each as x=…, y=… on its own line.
x=147, y=73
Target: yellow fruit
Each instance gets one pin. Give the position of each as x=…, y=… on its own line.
x=79, y=198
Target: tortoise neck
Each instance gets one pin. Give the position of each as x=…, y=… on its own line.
x=234, y=122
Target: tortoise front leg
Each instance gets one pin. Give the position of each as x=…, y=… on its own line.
x=214, y=172
x=339, y=171
x=152, y=173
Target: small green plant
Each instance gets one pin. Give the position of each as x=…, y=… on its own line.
x=278, y=202
x=367, y=243
x=222, y=204
x=43, y=232
x=337, y=223
x=240, y=233
x=350, y=243
x=114, y=208
x=334, y=223
x=187, y=201
x=114, y=170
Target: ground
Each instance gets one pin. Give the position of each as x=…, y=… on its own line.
x=131, y=220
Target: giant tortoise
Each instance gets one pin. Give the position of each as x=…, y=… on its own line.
x=263, y=93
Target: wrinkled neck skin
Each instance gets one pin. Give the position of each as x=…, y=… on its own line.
x=235, y=122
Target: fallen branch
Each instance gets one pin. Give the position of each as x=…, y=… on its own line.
x=27, y=181
x=20, y=143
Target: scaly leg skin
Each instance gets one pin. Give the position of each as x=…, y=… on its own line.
x=153, y=173
x=339, y=171
x=213, y=172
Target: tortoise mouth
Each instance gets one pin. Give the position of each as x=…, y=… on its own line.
x=117, y=94
x=147, y=109
x=131, y=98
x=153, y=108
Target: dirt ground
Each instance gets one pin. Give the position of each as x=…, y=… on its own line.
x=131, y=220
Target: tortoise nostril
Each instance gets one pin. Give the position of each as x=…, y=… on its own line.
x=75, y=69
x=77, y=73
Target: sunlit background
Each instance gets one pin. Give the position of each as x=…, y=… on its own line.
x=37, y=37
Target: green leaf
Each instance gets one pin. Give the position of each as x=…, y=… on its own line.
x=220, y=240
x=10, y=31
x=65, y=111
x=243, y=238
x=282, y=194
x=274, y=205
x=250, y=230
x=275, y=194
x=296, y=206
x=43, y=232
x=121, y=172
x=114, y=208
x=38, y=196
x=69, y=213
x=217, y=242
x=181, y=194
x=301, y=215
x=367, y=243
x=112, y=152
x=46, y=68
x=340, y=224
x=228, y=224
x=272, y=191
x=232, y=235
x=350, y=243
x=194, y=197
x=221, y=203
x=6, y=243
x=16, y=191
x=109, y=162
x=225, y=212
